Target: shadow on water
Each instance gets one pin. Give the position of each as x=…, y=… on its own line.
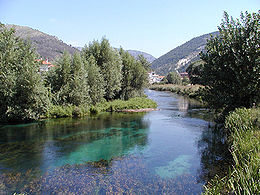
x=214, y=151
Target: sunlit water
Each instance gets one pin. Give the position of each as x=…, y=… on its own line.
x=132, y=153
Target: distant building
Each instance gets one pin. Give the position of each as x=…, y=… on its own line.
x=45, y=65
x=154, y=78
x=184, y=74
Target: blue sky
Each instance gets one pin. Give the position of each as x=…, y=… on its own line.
x=151, y=26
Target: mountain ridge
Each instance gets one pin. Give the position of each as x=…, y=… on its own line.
x=147, y=56
x=48, y=46
x=180, y=57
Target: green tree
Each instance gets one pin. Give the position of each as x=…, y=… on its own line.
x=78, y=83
x=173, y=78
x=110, y=64
x=144, y=62
x=232, y=71
x=68, y=81
x=185, y=81
x=195, y=71
x=95, y=81
x=135, y=77
x=23, y=96
x=58, y=79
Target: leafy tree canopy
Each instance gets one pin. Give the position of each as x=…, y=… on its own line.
x=231, y=71
x=22, y=94
x=110, y=64
x=173, y=78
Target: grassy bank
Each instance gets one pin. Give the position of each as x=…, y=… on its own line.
x=113, y=106
x=191, y=91
x=244, y=176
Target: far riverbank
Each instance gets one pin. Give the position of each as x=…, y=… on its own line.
x=191, y=91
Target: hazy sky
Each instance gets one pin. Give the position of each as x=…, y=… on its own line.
x=151, y=26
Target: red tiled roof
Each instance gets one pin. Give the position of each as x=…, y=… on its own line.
x=45, y=62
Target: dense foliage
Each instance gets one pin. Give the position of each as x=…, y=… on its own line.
x=195, y=71
x=98, y=74
x=231, y=72
x=110, y=64
x=22, y=94
x=101, y=73
x=173, y=78
x=134, y=75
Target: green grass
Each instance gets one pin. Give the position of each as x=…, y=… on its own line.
x=244, y=175
x=191, y=91
x=112, y=106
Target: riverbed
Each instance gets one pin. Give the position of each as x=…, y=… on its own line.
x=159, y=152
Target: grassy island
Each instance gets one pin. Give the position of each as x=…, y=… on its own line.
x=135, y=104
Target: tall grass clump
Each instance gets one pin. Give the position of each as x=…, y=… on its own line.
x=62, y=111
x=244, y=176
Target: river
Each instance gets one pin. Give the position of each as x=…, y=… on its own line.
x=134, y=153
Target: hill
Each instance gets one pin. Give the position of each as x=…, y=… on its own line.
x=135, y=54
x=180, y=57
x=47, y=46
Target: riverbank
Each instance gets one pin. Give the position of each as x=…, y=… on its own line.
x=139, y=104
x=244, y=176
x=242, y=127
x=191, y=91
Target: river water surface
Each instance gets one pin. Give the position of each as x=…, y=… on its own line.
x=133, y=153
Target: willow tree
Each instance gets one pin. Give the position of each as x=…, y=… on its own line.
x=110, y=64
x=68, y=81
x=23, y=96
x=58, y=79
x=135, y=77
x=95, y=81
x=78, y=83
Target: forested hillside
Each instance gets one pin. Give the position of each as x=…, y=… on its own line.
x=46, y=45
x=180, y=57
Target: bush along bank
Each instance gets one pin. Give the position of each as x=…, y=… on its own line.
x=191, y=91
x=244, y=175
x=112, y=106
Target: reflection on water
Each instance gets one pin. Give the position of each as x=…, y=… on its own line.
x=71, y=141
x=215, y=156
x=164, y=151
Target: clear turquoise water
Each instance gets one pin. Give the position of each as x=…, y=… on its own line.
x=132, y=153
